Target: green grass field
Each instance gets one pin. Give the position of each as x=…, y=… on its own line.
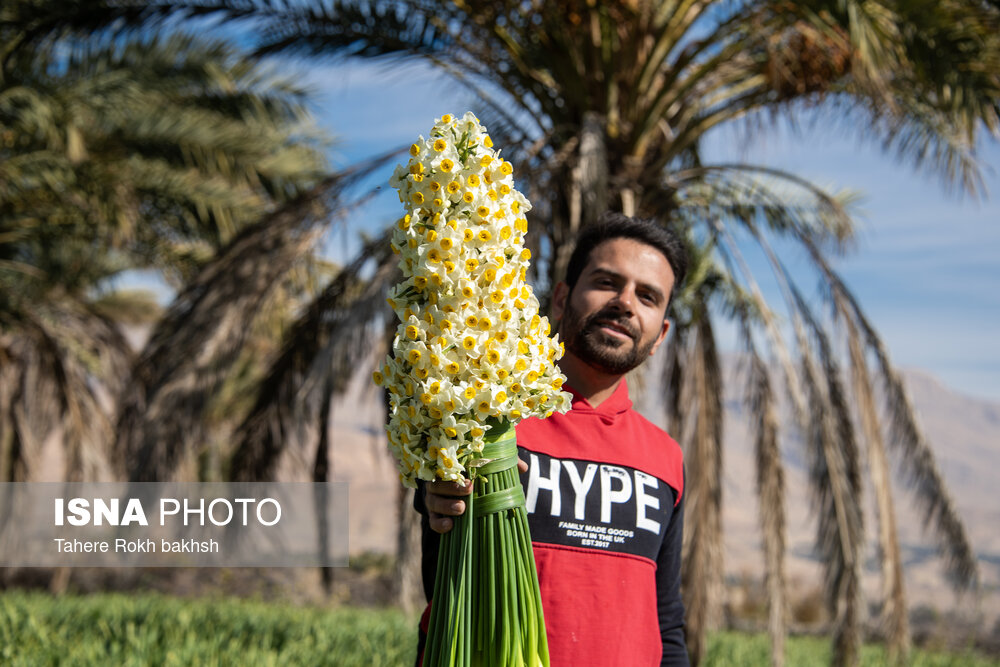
x=730, y=648
x=147, y=629
x=114, y=629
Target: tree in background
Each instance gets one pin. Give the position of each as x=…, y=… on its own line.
x=121, y=150
x=608, y=104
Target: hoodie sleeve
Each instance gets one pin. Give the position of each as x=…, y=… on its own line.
x=430, y=543
x=670, y=608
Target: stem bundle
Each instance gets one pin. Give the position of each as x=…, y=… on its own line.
x=487, y=609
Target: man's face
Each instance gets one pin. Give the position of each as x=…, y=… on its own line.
x=614, y=318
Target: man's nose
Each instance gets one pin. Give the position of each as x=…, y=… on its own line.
x=624, y=298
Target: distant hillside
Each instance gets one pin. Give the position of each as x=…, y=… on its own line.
x=965, y=435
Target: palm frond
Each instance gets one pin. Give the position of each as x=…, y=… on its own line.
x=65, y=363
x=202, y=331
x=701, y=569
x=762, y=407
x=894, y=617
x=763, y=198
x=835, y=478
x=913, y=453
x=327, y=341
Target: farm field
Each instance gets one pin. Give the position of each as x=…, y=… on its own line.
x=144, y=629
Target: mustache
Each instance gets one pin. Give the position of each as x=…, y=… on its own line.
x=608, y=316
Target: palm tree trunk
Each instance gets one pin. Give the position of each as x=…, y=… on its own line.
x=321, y=475
x=588, y=189
x=9, y=442
x=409, y=586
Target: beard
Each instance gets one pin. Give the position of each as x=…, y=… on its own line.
x=585, y=339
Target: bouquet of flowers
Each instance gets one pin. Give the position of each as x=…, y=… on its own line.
x=471, y=357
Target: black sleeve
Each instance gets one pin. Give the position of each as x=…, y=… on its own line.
x=430, y=543
x=669, y=605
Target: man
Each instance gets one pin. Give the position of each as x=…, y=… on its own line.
x=603, y=486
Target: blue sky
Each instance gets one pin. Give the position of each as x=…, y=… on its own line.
x=926, y=266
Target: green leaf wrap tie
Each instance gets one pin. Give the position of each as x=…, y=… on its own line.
x=500, y=455
x=498, y=501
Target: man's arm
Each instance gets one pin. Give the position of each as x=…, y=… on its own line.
x=669, y=606
x=430, y=542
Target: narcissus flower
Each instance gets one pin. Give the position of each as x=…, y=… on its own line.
x=469, y=347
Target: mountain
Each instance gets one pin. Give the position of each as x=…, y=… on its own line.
x=964, y=433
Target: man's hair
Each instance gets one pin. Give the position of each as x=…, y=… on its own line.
x=618, y=226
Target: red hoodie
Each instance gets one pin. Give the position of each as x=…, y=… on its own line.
x=603, y=494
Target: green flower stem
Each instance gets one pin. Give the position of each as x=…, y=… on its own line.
x=487, y=607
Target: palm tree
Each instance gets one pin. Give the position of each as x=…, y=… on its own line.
x=117, y=152
x=608, y=105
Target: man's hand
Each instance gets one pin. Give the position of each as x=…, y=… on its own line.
x=444, y=500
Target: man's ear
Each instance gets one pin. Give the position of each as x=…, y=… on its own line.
x=559, y=296
x=659, y=339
